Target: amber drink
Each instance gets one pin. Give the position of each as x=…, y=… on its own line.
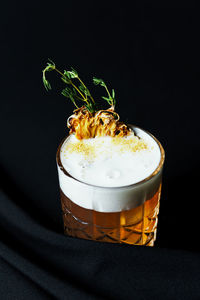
x=110, y=188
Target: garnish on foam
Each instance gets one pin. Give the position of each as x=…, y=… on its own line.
x=101, y=123
x=87, y=120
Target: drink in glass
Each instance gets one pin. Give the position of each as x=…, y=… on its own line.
x=110, y=187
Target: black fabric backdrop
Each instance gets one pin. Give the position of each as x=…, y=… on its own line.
x=150, y=55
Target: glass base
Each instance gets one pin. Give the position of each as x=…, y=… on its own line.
x=136, y=226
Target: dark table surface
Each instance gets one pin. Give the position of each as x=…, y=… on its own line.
x=150, y=55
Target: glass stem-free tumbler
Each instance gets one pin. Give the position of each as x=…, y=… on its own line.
x=127, y=214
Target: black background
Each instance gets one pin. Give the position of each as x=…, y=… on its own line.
x=150, y=55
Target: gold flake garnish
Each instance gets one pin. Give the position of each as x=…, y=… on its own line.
x=132, y=144
x=118, y=144
x=81, y=148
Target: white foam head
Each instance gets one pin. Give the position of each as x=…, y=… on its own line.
x=111, y=162
x=104, y=168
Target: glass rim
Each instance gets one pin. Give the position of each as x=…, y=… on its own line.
x=156, y=171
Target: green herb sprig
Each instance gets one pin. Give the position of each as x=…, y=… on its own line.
x=77, y=92
x=110, y=99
